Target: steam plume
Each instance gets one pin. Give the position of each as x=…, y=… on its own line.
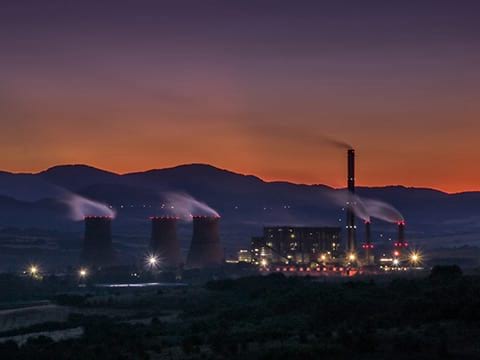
x=366, y=208
x=383, y=211
x=184, y=205
x=80, y=207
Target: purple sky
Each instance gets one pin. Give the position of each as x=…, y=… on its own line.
x=251, y=86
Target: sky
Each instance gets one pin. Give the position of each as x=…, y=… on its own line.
x=251, y=86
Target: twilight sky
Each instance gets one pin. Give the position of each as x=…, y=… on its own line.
x=251, y=86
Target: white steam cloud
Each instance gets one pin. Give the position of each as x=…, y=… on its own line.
x=184, y=205
x=366, y=208
x=381, y=210
x=80, y=207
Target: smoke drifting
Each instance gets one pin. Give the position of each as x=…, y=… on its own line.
x=80, y=207
x=366, y=208
x=383, y=211
x=184, y=205
x=344, y=198
x=290, y=133
x=335, y=143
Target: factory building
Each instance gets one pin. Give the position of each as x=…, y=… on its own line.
x=296, y=245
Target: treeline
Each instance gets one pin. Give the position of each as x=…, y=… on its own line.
x=278, y=317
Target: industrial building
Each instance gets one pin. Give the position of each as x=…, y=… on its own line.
x=296, y=245
x=299, y=247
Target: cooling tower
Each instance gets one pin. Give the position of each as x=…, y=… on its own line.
x=97, y=244
x=164, y=242
x=205, y=249
x=351, y=240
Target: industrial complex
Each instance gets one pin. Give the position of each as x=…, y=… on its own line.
x=320, y=250
x=316, y=250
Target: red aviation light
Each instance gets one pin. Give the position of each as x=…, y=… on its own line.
x=97, y=217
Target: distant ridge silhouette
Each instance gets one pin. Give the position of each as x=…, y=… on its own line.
x=245, y=202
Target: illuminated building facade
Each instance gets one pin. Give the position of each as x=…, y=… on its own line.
x=296, y=245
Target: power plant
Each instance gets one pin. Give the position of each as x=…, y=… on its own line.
x=205, y=248
x=283, y=248
x=97, y=243
x=299, y=249
x=164, y=242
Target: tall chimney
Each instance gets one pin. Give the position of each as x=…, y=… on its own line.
x=97, y=244
x=205, y=249
x=401, y=244
x=401, y=232
x=164, y=242
x=351, y=239
x=368, y=246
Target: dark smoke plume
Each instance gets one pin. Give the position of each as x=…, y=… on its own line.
x=334, y=142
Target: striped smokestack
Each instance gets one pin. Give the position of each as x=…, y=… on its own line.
x=401, y=245
x=368, y=246
x=351, y=238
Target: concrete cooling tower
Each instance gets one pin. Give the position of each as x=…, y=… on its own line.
x=205, y=249
x=97, y=244
x=164, y=241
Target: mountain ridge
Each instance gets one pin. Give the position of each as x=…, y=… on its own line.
x=203, y=166
x=245, y=202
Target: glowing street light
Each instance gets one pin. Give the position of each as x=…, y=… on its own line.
x=396, y=262
x=82, y=273
x=352, y=257
x=152, y=261
x=264, y=262
x=33, y=270
x=415, y=258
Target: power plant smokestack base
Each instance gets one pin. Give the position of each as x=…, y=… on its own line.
x=368, y=246
x=97, y=244
x=205, y=249
x=401, y=245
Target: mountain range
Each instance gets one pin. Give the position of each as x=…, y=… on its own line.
x=245, y=202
